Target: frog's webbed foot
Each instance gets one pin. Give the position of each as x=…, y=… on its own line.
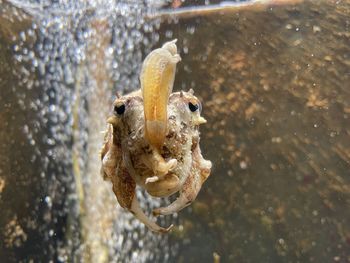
x=199, y=173
x=124, y=188
x=163, y=168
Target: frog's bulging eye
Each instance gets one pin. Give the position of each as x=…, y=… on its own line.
x=120, y=109
x=193, y=107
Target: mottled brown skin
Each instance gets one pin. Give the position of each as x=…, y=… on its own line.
x=129, y=159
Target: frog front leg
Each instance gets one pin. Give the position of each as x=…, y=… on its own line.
x=160, y=167
x=200, y=171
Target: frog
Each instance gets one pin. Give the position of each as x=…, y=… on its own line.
x=152, y=141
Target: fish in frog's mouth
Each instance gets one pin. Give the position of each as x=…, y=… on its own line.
x=157, y=80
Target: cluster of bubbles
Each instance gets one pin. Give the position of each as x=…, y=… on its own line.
x=53, y=60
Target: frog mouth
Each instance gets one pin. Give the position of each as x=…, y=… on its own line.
x=157, y=79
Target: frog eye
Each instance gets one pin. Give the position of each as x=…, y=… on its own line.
x=193, y=107
x=119, y=109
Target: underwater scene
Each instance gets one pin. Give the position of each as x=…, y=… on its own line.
x=175, y=131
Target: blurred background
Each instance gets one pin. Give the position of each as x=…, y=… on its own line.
x=274, y=80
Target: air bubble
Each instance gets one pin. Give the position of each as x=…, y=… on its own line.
x=169, y=34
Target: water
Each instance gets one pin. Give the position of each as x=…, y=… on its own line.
x=274, y=87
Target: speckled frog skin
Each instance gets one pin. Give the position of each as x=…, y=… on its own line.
x=152, y=140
